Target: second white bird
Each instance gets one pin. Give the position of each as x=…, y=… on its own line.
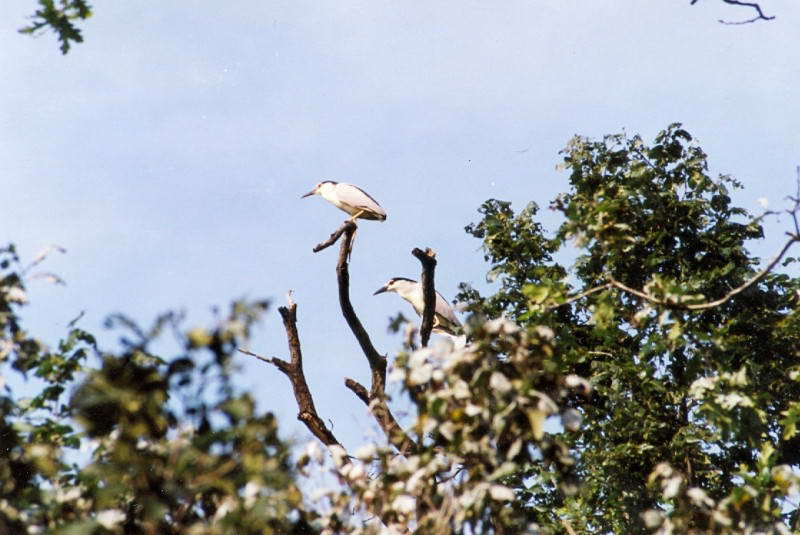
x=444, y=320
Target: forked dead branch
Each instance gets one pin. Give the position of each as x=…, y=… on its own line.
x=375, y=396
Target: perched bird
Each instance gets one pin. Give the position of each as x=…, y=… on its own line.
x=444, y=320
x=350, y=199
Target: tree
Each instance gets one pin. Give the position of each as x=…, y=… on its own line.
x=168, y=446
x=691, y=352
x=652, y=387
x=687, y=353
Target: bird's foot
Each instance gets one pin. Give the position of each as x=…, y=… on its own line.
x=356, y=216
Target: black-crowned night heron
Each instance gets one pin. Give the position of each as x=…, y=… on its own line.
x=350, y=199
x=444, y=320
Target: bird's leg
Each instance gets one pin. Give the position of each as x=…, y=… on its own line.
x=353, y=219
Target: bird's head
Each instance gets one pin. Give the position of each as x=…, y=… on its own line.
x=398, y=285
x=319, y=188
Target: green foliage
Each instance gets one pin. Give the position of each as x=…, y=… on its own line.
x=654, y=386
x=163, y=445
x=481, y=417
x=59, y=16
x=706, y=398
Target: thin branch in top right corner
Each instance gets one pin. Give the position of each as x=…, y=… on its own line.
x=754, y=5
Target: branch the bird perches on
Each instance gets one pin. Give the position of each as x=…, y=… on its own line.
x=375, y=397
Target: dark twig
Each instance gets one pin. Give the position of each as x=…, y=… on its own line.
x=358, y=389
x=334, y=237
x=753, y=5
x=428, y=260
x=377, y=362
x=294, y=371
x=759, y=13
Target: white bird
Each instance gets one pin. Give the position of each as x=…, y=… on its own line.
x=444, y=320
x=350, y=199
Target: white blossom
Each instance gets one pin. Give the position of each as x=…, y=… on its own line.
x=6, y=347
x=420, y=375
x=501, y=493
x=366, y=452
x=501, y=325
x=500, y=382
x=544, y=332
x=671, y=486
x=420, y=357
x=546, y=405
x=339, y=454
x=110, y=518
x=699, y=497
x=250, y=492
x=356, y=472
x=15, y=294
x=472, y=410
x=734, y=399
x=228, y=505
x=447, y=430
x=413, y=483
x=700, y=386
x=461, y=390
x=578, y=383
x=404, y=504
x=397, y=375
x=652, y=518
x=68, y=495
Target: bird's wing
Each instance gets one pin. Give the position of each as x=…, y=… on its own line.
x=355, y=196
x=444, y=309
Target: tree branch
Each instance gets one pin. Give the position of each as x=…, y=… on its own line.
x=294, y=371
x=377, y=362
x=711, y=304
x=759, y=13
x=793, y=238
x=581, y=295
x=428, y=260
x=358, y=389
x=333, y=237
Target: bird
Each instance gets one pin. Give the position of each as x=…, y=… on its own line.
x=444, y=319
x=349, y=198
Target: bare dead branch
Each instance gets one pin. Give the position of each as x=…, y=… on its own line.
x=377, y=362
x=358, y=389
x=333, y=237
x=428, y=260
x=294, y=371
x=759, y=12
x=268, y=360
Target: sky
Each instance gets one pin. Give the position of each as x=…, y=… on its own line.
x=168, y=152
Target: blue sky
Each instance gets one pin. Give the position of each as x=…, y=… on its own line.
x=168, y=152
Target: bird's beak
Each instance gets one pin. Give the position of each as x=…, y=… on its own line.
x=380, y=290
x=309, y=194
